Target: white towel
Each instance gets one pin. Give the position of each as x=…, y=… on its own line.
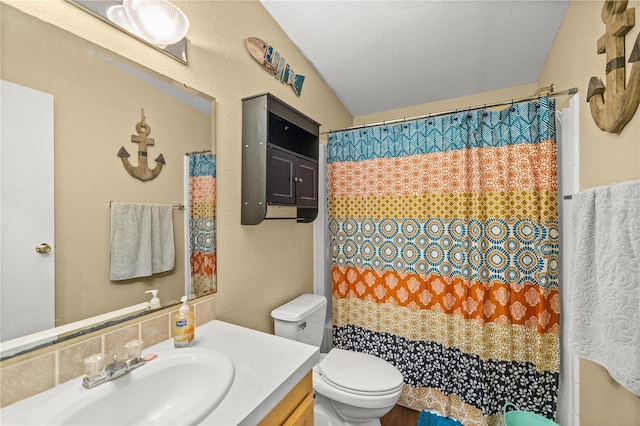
x=141, y=240
x=604, y=295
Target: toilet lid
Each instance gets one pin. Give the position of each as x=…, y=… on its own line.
x=359, y=372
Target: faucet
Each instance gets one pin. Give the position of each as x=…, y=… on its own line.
x=97, y=375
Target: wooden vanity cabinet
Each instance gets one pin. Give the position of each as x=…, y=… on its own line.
x=279, y=162
x=295, y=409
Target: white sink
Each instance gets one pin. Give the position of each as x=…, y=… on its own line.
x=179, y=387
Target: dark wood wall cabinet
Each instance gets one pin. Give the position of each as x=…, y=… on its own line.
x=279, y=161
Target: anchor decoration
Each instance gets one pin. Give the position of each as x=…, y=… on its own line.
x=613, y=106
x=142, y=171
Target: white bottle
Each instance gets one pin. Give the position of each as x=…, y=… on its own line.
x=154, y=303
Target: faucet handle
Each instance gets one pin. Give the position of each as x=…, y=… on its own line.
x=134, y=348
x=94, y=365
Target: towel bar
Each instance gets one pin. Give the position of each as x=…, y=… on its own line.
x=175, y=206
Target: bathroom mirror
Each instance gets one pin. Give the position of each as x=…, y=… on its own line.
x=98, y=99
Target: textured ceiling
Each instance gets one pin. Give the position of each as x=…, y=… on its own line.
x=381, y=55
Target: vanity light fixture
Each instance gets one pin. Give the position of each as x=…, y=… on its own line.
x=158, y=23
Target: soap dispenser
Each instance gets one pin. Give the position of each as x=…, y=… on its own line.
x=154, y=303
x=183, y=326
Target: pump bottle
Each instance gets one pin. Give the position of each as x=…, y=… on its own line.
x=154, y=303
x=183, y=326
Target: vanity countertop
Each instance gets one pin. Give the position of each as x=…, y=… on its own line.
x=267, y=367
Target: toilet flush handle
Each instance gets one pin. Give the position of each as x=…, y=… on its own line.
x=302, y=325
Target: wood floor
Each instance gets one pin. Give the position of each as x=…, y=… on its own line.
x=400, y=416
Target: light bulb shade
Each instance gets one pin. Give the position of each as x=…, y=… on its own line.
x=117, y=15
x=157, y=21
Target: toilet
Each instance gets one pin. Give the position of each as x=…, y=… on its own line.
x=351, y=388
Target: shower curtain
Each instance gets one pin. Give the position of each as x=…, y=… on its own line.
x=202, y=223
x=444, y=257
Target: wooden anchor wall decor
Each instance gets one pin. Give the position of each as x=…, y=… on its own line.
x=613, y=106
x=142, y=171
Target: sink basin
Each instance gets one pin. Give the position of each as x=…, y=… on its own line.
x=181, y=386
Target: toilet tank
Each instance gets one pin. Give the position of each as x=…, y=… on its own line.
x=301, y=319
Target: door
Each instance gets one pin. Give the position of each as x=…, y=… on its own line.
x=26, y=211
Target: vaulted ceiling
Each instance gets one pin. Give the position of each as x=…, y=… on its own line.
x=382, y=55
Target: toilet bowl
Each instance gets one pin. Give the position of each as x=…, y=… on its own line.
x=361, y=388
x=351, y=388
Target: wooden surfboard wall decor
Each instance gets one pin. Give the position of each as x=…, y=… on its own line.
x=272, y=61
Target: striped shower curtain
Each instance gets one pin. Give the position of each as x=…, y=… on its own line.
x=202, y=223
x=444, y=246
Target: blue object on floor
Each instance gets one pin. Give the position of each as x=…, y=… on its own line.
x=429, y=419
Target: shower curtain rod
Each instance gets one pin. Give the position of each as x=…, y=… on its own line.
x=206, y=151
x=571, y=92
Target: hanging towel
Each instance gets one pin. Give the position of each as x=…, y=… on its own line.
x=604, y=294
x=141, y=240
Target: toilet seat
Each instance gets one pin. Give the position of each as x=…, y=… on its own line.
x=359, y=373
x=338, y=396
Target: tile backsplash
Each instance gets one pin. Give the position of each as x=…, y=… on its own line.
x=40, y=370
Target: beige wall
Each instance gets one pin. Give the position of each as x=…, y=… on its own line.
x=604, y=159
x=449, y=104
x=259, y=267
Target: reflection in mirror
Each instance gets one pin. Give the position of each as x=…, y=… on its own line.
x=97, y=99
